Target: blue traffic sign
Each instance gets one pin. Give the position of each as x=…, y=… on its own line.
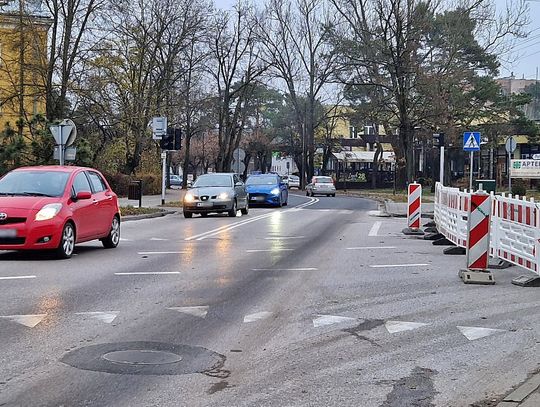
x=471, y=141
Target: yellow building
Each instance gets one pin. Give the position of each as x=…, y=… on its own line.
x=23, y=62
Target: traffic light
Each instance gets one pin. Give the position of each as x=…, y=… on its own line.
x=167, y=141
x=438, y=140
x=177, y=139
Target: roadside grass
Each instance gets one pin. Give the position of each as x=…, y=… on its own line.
x=131, y=210
x=387, y=194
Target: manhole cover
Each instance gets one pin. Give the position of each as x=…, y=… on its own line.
x=142, y=357
x=146, y=358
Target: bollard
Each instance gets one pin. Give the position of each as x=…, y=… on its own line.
x=414, y=209
x=478, y=241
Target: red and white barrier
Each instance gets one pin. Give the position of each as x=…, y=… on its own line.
x=414, y=206
x=478, y=236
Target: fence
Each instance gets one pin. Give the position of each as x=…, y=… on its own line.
x=515, y=225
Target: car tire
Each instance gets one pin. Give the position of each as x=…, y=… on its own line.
x=67, y=242
x=204, y=215
x=113, y=238
x=245, y=210
x=307, y=193
x=188, y=215
x=333, y=195
x=232, y=212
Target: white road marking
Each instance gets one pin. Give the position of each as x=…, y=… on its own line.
x=400, y=326
x=284, y=237
x=159, y=239
x=323, y=320
x=292, y=269
x=151, y=253
x=257, y=316
x=473, y=332
x=376, y=266
x=16, y=277
x=268, y=250
x=106, y=317
x=372, y=248
x=217, y=231
x=147, y=273
x=125, y=240
x=197, y=311
x=30, y=320
x=375, y=229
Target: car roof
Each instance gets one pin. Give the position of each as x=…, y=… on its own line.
x=60, y=168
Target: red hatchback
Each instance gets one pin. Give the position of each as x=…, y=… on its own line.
x=54, y=207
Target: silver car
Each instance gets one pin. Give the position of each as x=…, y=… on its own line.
x=321, y=186
x=216, y=193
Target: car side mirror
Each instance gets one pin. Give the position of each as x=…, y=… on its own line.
x=83, y=195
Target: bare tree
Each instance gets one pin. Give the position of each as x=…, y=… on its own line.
x=296, y=37
x=235, y=68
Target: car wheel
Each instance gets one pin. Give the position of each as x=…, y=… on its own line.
x=188, y=215
x=245, y=211
x=112, y=240
x=67, y=242
x=334, y=195
x=307, y=193
x=204, y=215
x=232, y=212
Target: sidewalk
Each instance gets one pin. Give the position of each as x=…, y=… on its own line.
x=153, y=201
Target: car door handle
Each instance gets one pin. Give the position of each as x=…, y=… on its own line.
x=95, y=201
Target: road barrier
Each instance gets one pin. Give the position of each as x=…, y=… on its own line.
x=414, y=206
x=514, y=226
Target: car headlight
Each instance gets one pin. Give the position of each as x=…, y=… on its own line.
x=49, y=211
x=189, y=198
x=275, y=191
x=223, y=196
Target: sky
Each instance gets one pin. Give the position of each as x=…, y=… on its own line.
x=522, y=62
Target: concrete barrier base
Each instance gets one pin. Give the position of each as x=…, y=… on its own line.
x=476, y=277
x=412, y=232
x=443, y=242
x=527, y=281
x=455, y=251
x=433, y=236
x=500, y=264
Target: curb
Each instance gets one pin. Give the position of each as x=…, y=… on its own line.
x=128, y=218
x=524, y=395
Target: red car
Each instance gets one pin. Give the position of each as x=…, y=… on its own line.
x=55, y=207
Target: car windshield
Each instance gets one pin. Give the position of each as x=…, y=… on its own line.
x=323, y=180
x=269, y=180
x=34, y=183
x=213, y=181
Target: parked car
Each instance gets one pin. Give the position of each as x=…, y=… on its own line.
x=294, y=182
x=56, y=207
x=216, y=193
x=176, y=180
x=321, y=186
x=267, y=189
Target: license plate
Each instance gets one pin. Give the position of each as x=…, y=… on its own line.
x=259, y=198
x=8, y=232
x=204, y=204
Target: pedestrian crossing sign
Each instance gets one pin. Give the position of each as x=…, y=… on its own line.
x=471, y=141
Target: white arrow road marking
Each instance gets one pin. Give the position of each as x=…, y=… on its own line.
x=152, y=253
x=323, y=320
x=375, y=229
x=16, y=277
x=473, y=332
x=294, y=269
x=198, y=311
x=159, y=239
x=27, y=320
x=106, y=317
x=377, y=266
x=400, y=326
x=371, y=248
x=257, y=316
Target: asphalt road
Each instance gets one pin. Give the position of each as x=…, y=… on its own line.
x=314, y=304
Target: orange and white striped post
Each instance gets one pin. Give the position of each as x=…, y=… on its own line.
x=414, y=209
x=478, y=241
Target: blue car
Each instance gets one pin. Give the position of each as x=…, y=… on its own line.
x=267, y=189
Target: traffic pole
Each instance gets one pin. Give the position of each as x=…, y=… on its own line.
x=163, y=175
x=478, y=226
x=414, y=209
x=441, y=166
